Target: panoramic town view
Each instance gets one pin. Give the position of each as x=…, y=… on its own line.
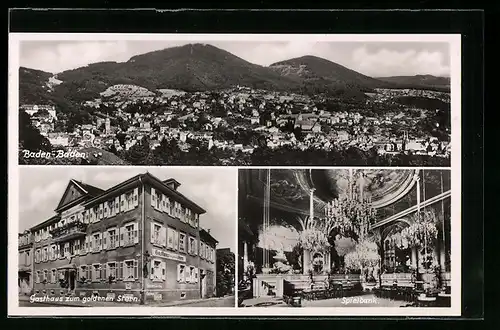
x=199, y=104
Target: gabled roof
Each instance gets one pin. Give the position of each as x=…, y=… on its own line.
x=92, y=190
x=82, y=190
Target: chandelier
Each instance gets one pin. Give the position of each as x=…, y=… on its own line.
x=351, y=212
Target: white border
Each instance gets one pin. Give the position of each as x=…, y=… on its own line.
x=454, y=40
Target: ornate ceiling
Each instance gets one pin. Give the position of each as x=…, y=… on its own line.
x=391, y=190
x=291, y=188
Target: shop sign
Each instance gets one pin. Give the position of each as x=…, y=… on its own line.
x=168, y=255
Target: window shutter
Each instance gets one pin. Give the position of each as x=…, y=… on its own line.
x=163, y=270
x=121, y=235
x=136, y=197
x=176, y=240
x=100, y=241
x=105, y=240
x=103, y=271
x=100, y=212
x=88, y=274
x=153, y=198
x=117, y=205
x=136, y=269
x=196, y=275
x=122, y=203
x=136, y=233
x=152, y=231
x=105, y=210
x=152, y=271
x=167, y=205
x=179, y=273
x=119, y=271
x=163, y=236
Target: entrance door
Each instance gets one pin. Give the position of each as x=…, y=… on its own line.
x=203, y=287
x=72, y=278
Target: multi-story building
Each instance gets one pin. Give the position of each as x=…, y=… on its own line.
x=25, y=263
x=139, y=240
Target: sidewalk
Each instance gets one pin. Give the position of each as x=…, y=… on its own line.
x=124, y=304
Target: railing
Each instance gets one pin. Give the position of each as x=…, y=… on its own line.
x=25, y=241
x=71, y=228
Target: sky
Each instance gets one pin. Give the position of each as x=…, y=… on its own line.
x=214, y=189
x=375, y=59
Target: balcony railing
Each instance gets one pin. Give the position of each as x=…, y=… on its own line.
x=69, y=231
x=23, y=243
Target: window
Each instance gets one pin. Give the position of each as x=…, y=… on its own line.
x=53, y=276
x=83, y=273
x=112, y=238
x=172, y=208
x=76, y=247
x=156, y=238
x=117, y=205
x=111, y=208
x=45, y=275
x=96, y=242
x=158, y=270
x=190, y=276
x=196, y=220
x=45, y=254
x=53, y=252
x=182, y=242
x=202, y=250
x=181, y=273
x=129, y=234
x=37, y=276
x=130, y=270
x=191, y=245
x=96, y=272
x=37, y=256
x=111, y=270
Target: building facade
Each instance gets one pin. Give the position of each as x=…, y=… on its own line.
x=25, y=263
x=138, y=241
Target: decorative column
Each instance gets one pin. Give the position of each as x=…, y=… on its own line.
x=245, y=256
x=414, y=257
x=307, y=262
x=442, y=257
x=311, y=204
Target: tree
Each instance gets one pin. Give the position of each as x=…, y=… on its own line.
x=29, y=136
x=225, y=272
x=138, y=154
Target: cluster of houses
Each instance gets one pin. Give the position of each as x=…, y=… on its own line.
x=273, y=115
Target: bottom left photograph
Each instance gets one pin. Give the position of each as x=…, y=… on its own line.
x=115, y=236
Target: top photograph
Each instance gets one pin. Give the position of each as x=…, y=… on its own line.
x=236, y=100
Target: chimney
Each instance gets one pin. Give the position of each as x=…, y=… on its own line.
x=208, y=231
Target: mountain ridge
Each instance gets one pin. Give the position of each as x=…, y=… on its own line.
x=199, y=67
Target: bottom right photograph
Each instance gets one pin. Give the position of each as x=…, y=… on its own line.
x=344, y=237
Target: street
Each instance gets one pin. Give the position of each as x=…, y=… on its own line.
x=228, y=301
